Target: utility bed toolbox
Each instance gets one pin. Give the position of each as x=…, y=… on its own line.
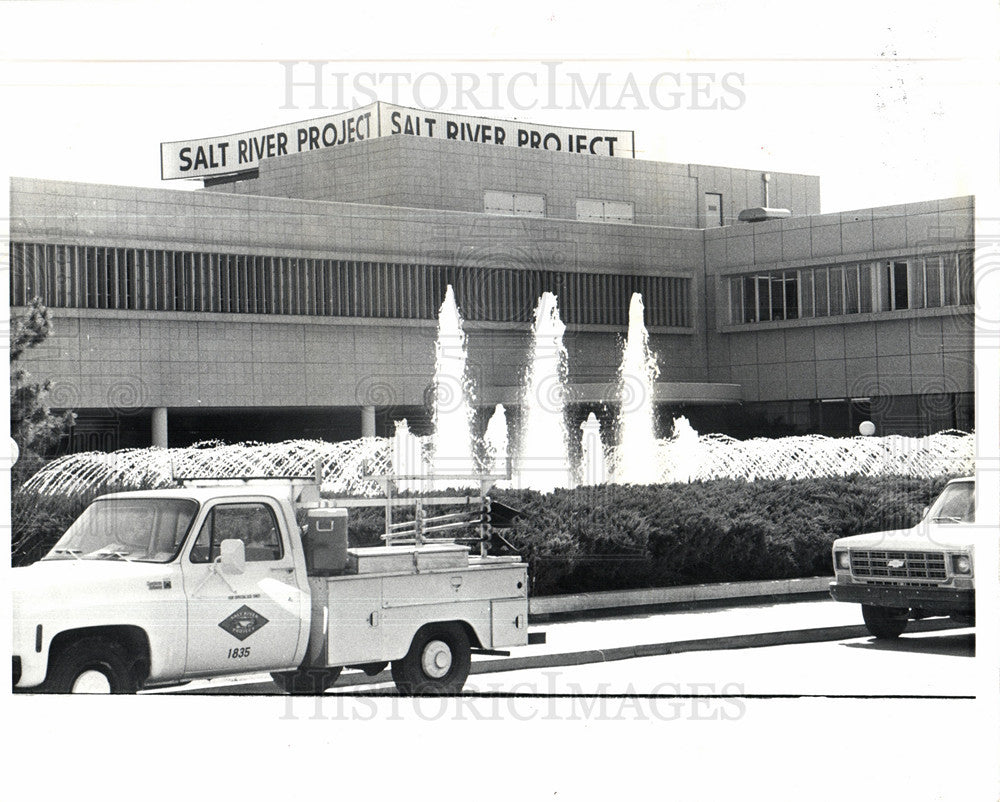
x=407, y=559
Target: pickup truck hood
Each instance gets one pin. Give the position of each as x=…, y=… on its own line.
x=55, y=580
x=921, y=537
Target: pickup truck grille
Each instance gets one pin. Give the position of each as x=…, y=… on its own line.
x=898, y=565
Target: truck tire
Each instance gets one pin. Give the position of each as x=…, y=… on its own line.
x=306, y=681
x=437, y=663
x=91, y=665
x=885, y=622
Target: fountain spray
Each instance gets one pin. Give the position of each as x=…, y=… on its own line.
x=542, y=461
x=636, y=455
x=453, y=396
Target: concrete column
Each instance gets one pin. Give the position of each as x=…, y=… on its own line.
x=368, y=421
x=160, y=427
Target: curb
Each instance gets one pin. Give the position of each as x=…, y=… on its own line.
x=586, y=657
x=589, y=656
x=539, y=606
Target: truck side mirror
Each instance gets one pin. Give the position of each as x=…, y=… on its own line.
x=232, y=556
x=924, y=513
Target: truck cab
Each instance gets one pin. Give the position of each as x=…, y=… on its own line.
x=140, y=576
x=924, y=571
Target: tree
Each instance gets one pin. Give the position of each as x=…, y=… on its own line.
x=33, y=425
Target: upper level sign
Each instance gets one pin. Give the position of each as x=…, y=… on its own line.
x=236, y=153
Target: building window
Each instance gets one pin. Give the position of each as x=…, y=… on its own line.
x=836, y=290
x=966, y=279
x=855, y=288
x=713, y=210
x=516, y=204
x=852, y=291
x=866, y=288
x=895, y=285
x=602, y=211
x=95, y=277
x=769, y=296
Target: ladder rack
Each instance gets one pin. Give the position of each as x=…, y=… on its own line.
x=423, y=528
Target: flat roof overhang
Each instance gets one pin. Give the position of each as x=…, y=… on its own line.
x=601, y=393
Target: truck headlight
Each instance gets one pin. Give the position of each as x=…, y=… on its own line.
x=961, y=564
x=843, y=560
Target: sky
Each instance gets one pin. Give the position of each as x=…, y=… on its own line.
x=886, y=102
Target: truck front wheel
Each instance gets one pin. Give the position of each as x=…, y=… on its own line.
x=92, y=665
x=885, y=622
x=438, y=661
x=306, y=681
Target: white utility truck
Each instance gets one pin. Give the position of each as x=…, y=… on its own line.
x=159, y=587
x=914, y=573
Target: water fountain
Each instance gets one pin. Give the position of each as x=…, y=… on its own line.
x=346, y=464
x=407, y=457
x=496, y=442
x=541, y=457
x=635, y=457
x=685, y=453
x=452, y=441
x=542, y=462
x=593, y=468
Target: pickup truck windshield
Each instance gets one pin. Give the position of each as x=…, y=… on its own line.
x=957, y=504
x=143, y=529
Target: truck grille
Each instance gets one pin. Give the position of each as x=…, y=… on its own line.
x=898, y=565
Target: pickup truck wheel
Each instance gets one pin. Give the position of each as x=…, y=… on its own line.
x=885, y=622
x=306, y=681
x=92, y=665
x=438, y=661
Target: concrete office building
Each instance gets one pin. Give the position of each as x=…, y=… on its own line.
x=299, y=298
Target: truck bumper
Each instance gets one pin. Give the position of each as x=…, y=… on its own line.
x=28, y=669
x=942, y=601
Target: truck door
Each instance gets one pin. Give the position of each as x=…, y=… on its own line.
x=248, y=621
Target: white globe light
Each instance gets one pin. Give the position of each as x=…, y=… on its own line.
x=867, y=428
x=15, y=452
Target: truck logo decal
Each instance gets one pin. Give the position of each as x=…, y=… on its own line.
x=159, y=584
x=243, y=623
x=896, y=563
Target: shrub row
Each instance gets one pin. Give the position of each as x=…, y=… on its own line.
x=616, y=537
x=625, y=537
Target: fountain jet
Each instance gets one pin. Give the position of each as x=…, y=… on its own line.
x=636, y=456
x=592, y=466
x=542, y=461
x=496, y=442
x=453, y=395
x=407, y=457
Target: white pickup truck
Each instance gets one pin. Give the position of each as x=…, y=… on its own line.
x=913, y=573
x=159, y=587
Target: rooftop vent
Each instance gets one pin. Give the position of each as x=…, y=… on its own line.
x=759, y=213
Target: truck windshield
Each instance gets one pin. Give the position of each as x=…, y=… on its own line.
x=144, y=529
x=957, y=504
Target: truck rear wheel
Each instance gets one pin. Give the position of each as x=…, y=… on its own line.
x=91, y=665
x=438, y=662
x=306, y=681
x=885, y=622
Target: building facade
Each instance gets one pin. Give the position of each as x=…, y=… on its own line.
x=300, y=299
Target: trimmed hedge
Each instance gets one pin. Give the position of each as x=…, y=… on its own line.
x=616, y=537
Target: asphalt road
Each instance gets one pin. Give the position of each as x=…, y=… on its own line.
x=813, y=648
